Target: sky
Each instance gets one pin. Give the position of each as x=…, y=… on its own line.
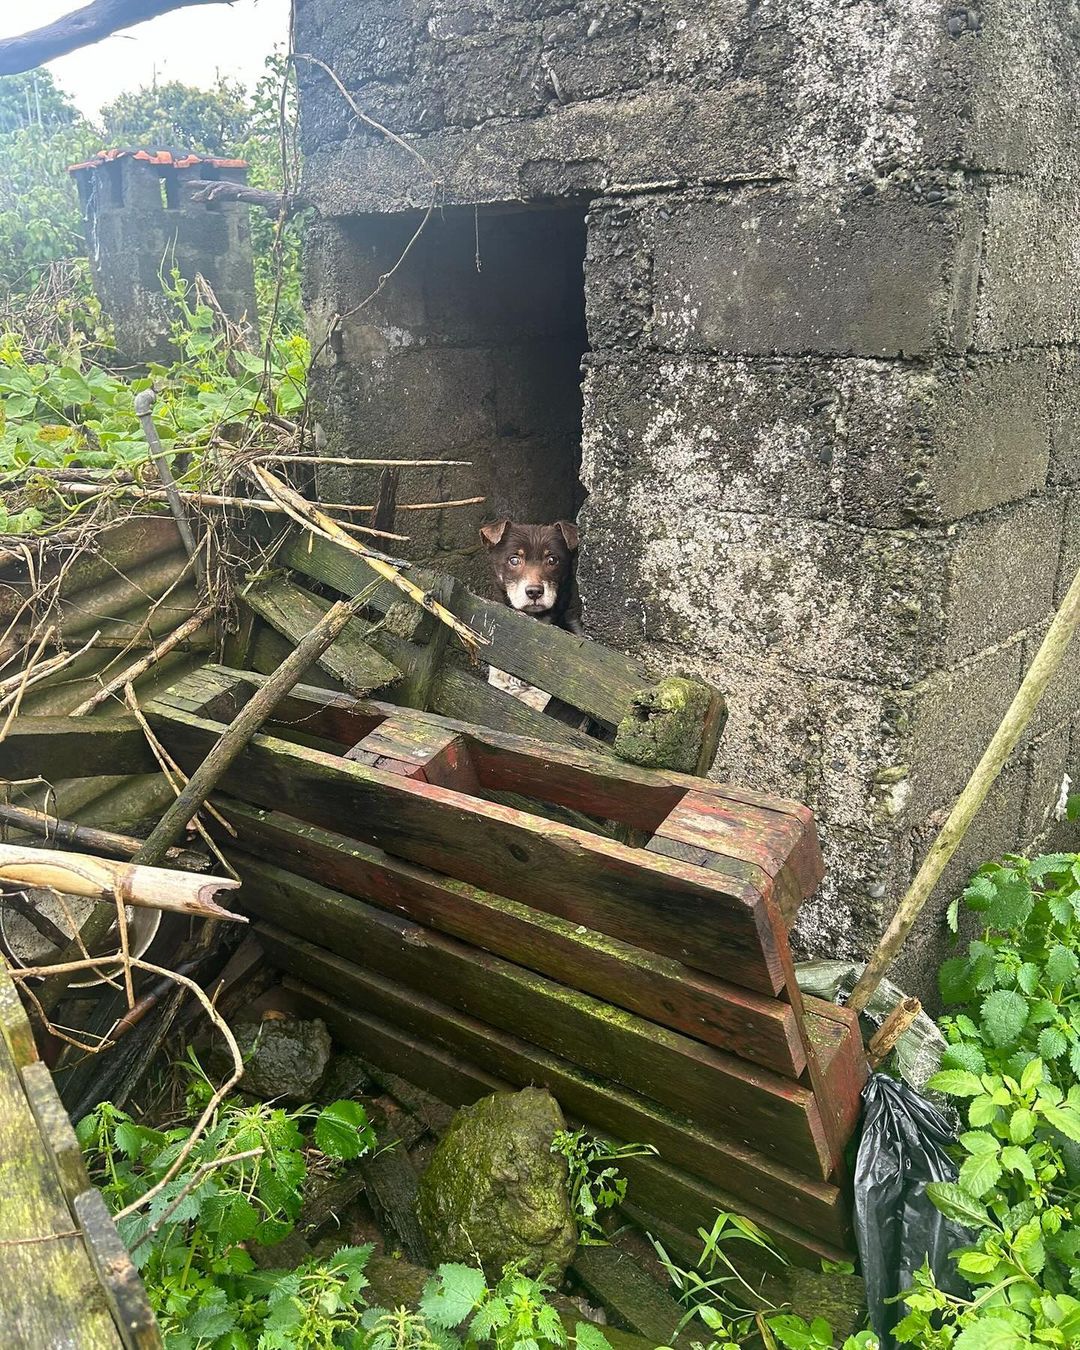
x=191, y=45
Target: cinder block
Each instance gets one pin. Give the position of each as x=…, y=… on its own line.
x=1029, y=292
x=1064, y=417
x=1069, y=563
x=767, y=270
x=1002, y=571
x=819, y=597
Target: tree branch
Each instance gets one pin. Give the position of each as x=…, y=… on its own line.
x=82, y=28
x=222, y=190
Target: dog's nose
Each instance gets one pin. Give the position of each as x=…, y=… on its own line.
x=534, y=592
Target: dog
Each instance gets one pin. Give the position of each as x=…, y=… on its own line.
x=535, y=571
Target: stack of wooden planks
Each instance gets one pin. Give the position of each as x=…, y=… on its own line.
x=65, y=1277
x=468, y=945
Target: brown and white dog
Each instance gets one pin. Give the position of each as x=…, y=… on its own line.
x=534, y=568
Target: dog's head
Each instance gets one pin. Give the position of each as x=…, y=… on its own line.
x=532, y=563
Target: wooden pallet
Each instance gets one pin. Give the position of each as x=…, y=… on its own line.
x=66, y=1279
x=411, y=658
x=646, y=980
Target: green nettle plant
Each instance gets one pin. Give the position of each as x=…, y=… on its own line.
x=239, y=1185
x=1019, y=983
x=1012, y=1066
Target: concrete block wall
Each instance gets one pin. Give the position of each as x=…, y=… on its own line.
x=831, y=419
x=141, y=221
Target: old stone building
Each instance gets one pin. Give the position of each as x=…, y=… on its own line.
x=818, y=264
x=143, y=220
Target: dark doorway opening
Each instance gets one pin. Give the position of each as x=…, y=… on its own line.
x=472, y=350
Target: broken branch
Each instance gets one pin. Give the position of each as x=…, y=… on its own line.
x=92, y=839
x=82, y=28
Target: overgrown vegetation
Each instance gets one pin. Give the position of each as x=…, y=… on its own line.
x=42, y=133
x=240, y=1184
x=596, y=1184
x=1013, y=1067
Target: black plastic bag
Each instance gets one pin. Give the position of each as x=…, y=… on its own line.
x=897, y=1225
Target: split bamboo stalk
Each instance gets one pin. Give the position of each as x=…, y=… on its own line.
x=106, y=878
x=365, y=463
x=131, y=673
x=1027, y=698
x=311, y=518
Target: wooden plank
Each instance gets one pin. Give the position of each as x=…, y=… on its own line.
x=49, y=1292
x=460, y=1060
x=15, y=1033
x=582, y=673
x=391, y=1183
x=461, y=695
x=293, y=612
x=417, y=750
x=756, y=1027
x=836, y=1039
x=713, y=831
x=712, y=923
x=59, y=747
x=728, y=1095
x=120, y=1280
x=56, y=1129
x=620, y=1284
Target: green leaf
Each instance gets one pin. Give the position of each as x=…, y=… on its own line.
x=980, y=1173
x=955, y=1083
x=1063, y=1118
x=1028, y=977
x=1011, y=901
x=1004, y=1015
x=453, y=1293
x=983, y=1111
x=955, y=1203
x=989, y=1333
x=964, y=1055
x=1050, y=863
x=979, y=1141
x=1061, y=965
x=1022, y=1125
x=955, y=980
x=342, y=1130
x=1052, y=1043
x=588, y=1336
x=977, y=1263
x=1015, y=1159
x=1031, y=1075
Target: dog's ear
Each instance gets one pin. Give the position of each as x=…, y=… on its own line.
x=569, y=532
x=493, y=532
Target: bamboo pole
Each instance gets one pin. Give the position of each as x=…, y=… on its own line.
x=1027, y=698
x=105, y=878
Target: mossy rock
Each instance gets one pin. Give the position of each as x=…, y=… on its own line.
x=495, y=1191
x=284, y=1057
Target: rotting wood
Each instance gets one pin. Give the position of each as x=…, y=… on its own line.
x=616, y=1281
x=711, y=923
x=90, y=839
x=895, y=1025
x=730, y=1096
x=442, y=1054
x=391, y=1183
x=131, y=673
x=116, y=1271
x=293, y=611
x=52, y=747
x=756, y=1028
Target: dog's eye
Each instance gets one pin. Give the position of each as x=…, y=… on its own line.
x=514, y=560
x=552, y=561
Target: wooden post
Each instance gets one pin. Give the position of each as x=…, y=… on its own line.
x=144, y=408
x=1045, y=665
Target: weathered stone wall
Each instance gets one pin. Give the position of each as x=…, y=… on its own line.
x=140, y=221
x=830, y=432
